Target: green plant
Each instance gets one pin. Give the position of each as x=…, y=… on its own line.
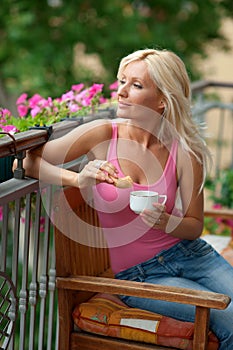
x=221, y=188
x=40, y=111
x=221, y=194
x=217, y=226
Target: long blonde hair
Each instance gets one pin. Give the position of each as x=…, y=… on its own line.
x=170, y=76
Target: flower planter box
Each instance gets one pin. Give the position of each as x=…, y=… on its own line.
x=6, y=168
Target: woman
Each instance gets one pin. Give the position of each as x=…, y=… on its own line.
x=157, y=144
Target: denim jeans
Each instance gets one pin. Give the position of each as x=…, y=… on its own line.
x=189, y=264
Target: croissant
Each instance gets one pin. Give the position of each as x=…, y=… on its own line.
x=123, y=182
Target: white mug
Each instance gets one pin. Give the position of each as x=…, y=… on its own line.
x=140, y=200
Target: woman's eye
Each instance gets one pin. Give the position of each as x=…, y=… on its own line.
x=137, y=85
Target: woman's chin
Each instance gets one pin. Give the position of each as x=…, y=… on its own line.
x=122, y=113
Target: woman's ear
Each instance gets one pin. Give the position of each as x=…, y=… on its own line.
x=162, y=105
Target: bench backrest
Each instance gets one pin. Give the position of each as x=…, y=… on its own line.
x=78, y=238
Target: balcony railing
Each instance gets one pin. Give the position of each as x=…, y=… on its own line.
x=28, y=307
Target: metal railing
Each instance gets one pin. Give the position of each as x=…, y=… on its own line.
x=28, y=307
x=28, y=310
x=218, y=117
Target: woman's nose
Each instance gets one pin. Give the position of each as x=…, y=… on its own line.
x=122, y=90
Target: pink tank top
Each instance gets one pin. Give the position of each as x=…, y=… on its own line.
x=129, y=240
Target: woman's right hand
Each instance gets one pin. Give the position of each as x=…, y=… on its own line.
x=96, y=171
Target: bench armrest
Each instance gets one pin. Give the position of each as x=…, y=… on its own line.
x=144, y=290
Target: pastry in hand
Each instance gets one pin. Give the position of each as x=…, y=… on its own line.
x=122, y=182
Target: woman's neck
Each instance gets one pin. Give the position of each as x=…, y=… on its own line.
x=144, y=135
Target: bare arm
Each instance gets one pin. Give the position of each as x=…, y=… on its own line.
x=91, y=138
x=190, y=225
x=36, y=167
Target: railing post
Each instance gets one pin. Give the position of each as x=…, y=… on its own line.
x=19, y=172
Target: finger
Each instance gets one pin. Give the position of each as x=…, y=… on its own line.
x=152, y=214
x=148, y=221
x=98, y=164
x=106, y=166
x=94, y=170
x=157, y=224
x=152, y=218
x=102, y=175
x=159, y=207
x=109, y=168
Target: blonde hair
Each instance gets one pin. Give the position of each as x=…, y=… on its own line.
x=170, y=76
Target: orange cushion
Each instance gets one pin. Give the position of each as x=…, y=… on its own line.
x=107, y=315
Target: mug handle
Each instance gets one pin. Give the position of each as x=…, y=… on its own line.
x=164, y=196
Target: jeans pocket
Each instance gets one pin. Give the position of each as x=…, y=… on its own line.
x=198, y=247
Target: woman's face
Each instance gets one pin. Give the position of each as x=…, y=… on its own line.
x=136, y=88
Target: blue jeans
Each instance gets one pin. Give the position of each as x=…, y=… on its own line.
x=189, y=264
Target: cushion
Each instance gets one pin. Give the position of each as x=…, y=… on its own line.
x=107, y=315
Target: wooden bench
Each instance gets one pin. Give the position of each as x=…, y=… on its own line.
x=83, y=269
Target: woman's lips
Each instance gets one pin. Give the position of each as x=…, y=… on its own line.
x=123, y=104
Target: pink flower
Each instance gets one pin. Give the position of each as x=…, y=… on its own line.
x=113, y=94
x=36, y=110
x=81, y=95
x=22, y=110
x=86, y=101
x=230, y=223
x=50, y=102
x=22, y=99
x=77, y=98
x=42, y=224
x=43, y=103
x=217, y=206
x=1, y=213
x=4, y=113
x=11, y=129
x=114, y=86
x=73, y=107
x=34, y=100
x=77, y=87
x=55, y=110
x=102, y=99
x=67, y=96
x=95, y=88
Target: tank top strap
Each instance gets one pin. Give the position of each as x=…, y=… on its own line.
x=170, y=168
x=173, y=151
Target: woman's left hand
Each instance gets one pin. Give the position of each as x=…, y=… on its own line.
x=156, y=218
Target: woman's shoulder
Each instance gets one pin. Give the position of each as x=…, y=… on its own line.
x=188, y=161
x=99, y=123
x=99, y=128
x=106, y=123
x=104, y=127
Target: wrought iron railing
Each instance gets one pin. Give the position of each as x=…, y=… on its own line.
x=28, y=308
x=28, y=312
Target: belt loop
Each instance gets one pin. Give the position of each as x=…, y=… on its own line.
x=141, y=273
